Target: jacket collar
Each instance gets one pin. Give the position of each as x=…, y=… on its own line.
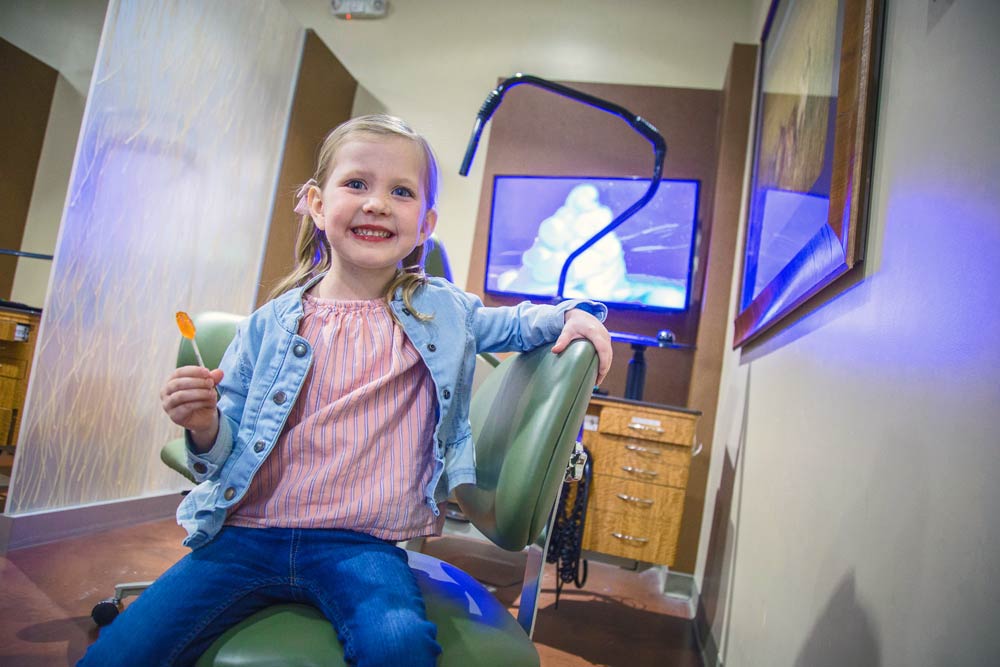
x=288, y=309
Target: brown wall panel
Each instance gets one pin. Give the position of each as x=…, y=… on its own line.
x=324, y=97
x=706, y=373
x=28, y=85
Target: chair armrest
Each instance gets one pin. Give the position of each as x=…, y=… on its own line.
x=174, y=454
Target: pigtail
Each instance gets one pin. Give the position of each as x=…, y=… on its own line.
x=408, y=280
x=312, y=257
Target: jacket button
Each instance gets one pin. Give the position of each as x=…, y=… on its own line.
x=258, y=446
x=229, y=493
x=446, y=394
x=406, y=311
x=299, y=350
x=432, y=347
x=279, y=397
x=200, y=468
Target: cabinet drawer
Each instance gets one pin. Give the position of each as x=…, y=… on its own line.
x=8, y=330
x=642, y=461
x=12, y=368
x=674, y=427
x=640, y=499
x=647, y=539
x=8, y=393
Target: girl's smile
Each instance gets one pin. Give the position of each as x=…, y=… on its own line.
x=372, y=233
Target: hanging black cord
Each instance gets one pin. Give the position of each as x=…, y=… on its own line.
x=566, y=544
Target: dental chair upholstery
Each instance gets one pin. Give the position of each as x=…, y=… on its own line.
x=525, y=418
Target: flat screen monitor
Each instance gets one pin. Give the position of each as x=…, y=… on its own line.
x=646, y=262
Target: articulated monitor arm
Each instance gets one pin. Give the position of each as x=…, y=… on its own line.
x=638, y=123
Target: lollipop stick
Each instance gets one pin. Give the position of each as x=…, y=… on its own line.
x=197, y=353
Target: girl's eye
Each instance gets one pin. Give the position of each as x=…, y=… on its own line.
x=354, y=184
x=403, y=192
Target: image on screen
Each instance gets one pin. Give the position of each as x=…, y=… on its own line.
x=646, y=262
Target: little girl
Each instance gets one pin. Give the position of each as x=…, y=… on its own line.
x=336, y=423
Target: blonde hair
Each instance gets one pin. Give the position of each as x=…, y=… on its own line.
x=312, y=249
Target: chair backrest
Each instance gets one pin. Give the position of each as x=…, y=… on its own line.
x=525, y=420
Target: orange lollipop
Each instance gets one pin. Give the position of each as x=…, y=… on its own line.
x=186, y=326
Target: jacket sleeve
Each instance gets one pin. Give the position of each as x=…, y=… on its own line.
x=524, y=326
x=232, y=399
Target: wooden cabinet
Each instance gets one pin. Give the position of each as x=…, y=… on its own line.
x=18, y=331
x=641, y=455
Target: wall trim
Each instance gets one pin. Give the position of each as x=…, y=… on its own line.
x=34, y=528
x=702, y=630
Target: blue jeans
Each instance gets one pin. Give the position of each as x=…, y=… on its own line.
x=360, y=583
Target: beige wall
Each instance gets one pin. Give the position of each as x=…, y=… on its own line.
x=446, y=56
x=862, y=442
x=63, y=34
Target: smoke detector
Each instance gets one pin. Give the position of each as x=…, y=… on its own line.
x=350, y=10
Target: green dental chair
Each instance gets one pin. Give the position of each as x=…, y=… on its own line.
x=525, y=419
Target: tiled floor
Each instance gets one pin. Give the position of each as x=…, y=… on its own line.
x=618, y=618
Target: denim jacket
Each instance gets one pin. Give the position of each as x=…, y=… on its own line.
x=266, y=366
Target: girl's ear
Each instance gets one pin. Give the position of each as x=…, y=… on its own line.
x=430, y=223
x=315, y=200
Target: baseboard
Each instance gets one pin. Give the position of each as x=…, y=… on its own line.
x=31, y=529
x=703, y=634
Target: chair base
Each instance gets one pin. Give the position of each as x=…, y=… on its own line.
x=107, y=609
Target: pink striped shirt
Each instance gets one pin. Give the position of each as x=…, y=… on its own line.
x=357, y=450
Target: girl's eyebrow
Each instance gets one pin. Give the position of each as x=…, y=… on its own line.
x=367, y=175
x=355, y=173
x=405, y=182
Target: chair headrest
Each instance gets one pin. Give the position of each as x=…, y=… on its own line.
x=436, y=259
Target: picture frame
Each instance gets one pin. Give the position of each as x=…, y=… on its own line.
x=817, y=89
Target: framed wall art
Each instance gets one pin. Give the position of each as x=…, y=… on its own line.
x=815, y=120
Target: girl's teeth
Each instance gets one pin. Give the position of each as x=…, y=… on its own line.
x=372, y=232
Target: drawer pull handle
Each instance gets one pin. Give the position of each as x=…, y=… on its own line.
x=632, y=499
x=629, y=538
x=644, y=427
x=643, y=450
x=640, y=471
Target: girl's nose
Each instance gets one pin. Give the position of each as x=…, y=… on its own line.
x=375, y=205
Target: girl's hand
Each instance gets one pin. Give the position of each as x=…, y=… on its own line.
x=579, y=323
x=189, y=399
